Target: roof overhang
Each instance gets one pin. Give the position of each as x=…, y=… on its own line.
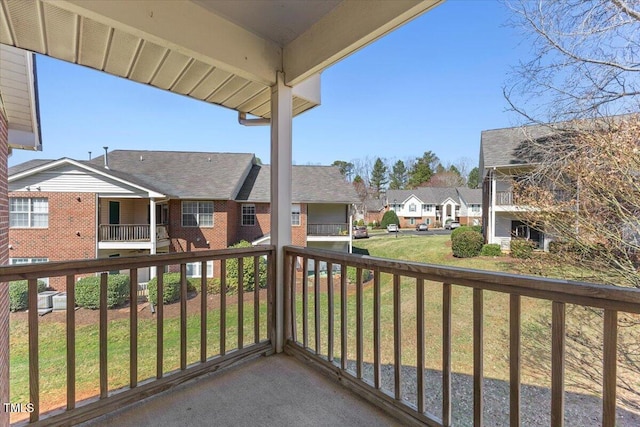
x=19, y=98
x=223, y=52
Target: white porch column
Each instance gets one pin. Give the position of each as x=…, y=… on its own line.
x=152, y=234
x=281, y=160
x=492, y=209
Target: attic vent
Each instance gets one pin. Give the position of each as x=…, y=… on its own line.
x=141, y=158
x=209, y=159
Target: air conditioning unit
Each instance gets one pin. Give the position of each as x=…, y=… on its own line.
x=45, y=299
x=60, y=301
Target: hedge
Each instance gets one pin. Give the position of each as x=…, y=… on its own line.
x=521, y=248
x=88, y=291
x=170, y=288
x=19, y=294
x=467, y=244
x=491, y=249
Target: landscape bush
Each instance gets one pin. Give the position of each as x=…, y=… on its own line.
x=491, y=249
x=467, y=244
x=19, y=294
x=521, y=248
x=463, y=228
x=352, y=275
x=389, y=217
x=213, y=286
x=248, y=279
x=88, y=291
x=170, y=288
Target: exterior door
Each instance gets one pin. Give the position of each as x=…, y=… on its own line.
x=114, y=219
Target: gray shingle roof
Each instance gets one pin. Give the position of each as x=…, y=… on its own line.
x=30, y=164
x=310, y=184
x=437, y=195
x=503, y=147
x=470, y=195
x=187, y=175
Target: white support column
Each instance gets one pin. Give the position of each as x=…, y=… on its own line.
x=281, y=160
x=492, y=209
x=152, y=234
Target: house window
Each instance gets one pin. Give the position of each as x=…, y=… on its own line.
x=197, y=214
x=412, y=207
x=29, y=212
x=19, y=261
x=427, y=208
x=412, y=221
x=475, y=208
x=248, y=214
x=295, y=214
x=194, y=269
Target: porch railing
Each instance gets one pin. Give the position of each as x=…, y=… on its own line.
x=340, y=229
x=131, y=232
x=216, y=347
x=318, y=298
x=508, y=198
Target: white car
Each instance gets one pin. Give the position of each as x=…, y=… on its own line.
x=451, y=225
x=392, y=228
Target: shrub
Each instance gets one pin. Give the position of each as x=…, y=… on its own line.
x=463, y=228
x=88, y=291
x=491, y=249
x=170, y=288
x=389, y=217
x=248, y=279
x=19, y=294
x=521, y=248
x=467, y=244
x=352, y=276
x=213, y=286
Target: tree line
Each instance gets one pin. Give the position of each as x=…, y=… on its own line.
x=379, y=174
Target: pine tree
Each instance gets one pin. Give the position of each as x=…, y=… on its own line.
x=398, y=176
x=379, y=178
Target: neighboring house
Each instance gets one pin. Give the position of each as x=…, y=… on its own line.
x=436, y=205
x=146, y=202
x=501, y=162
x=371, y=210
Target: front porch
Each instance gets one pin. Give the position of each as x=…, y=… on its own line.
x=374, y=337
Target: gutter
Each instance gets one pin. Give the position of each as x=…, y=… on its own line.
x=242, y=119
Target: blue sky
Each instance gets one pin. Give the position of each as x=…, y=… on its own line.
x=434, y=84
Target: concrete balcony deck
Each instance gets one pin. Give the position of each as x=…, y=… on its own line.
x=275, y=390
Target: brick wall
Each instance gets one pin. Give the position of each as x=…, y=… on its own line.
x=187, y=239
x=71, y=233
x=261, y=227
x=299, y=232
x=4, y=257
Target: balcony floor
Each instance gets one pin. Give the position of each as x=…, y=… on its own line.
x=275, y=390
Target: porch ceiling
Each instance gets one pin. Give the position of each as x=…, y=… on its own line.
x=220, y=51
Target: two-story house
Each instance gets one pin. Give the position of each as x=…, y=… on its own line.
x=436, y=205
x=502, y=161
x=145, y=202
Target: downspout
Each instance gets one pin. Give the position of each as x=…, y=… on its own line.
x=242, y=119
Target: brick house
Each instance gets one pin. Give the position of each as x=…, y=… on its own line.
x=436, y=205
x=145, y=202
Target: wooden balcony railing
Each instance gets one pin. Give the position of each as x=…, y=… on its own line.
x=131, y=232
x=316, y=304
x=341, y=229
x=214, y=344
x=508, y=198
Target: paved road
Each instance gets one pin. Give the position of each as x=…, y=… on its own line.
x=409, y=232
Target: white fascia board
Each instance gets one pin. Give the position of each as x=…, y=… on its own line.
x=350, y=26
x=413, y=196
x=449, y=199
x=56, y=163
x=188, y=28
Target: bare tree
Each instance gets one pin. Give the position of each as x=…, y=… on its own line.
x=585, y=63
x=585, y=190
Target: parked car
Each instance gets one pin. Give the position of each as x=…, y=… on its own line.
x=360, y=232
x=422, y=227
x=451, y=225
x=392, y=228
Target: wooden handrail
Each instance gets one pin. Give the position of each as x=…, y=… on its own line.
x=78, y=412
x=350, y=369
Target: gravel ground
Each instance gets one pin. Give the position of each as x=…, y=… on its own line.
x=580, y=409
